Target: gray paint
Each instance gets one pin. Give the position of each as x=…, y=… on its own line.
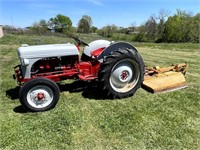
x=35, y=53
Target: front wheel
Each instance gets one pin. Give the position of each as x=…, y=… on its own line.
x=39, y=94
x=121, y=73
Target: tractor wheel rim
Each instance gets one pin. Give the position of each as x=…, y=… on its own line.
x=124, y=75
x=40, y=96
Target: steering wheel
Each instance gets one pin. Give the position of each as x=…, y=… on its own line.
x=80, y=41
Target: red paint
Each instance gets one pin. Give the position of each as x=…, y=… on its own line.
x=97, y=52
x=78, y=47
x=82, y=70
x=124, y=75
x=40, y=96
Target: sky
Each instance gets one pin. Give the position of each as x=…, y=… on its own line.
x=124, y=13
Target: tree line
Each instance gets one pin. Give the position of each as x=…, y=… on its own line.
x=63, y=24
x=183, y=26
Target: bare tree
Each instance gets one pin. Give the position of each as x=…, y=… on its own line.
x=162, y=17
x=150, y=27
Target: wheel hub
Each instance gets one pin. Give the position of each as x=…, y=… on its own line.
x=124, y=75
x=40, y=96
x=121, y=75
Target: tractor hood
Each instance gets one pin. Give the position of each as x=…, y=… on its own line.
x=53, y=50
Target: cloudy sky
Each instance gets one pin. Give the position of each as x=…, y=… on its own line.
x=22, y=13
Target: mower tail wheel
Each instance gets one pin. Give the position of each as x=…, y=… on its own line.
x=39, y=94
x=121, y=73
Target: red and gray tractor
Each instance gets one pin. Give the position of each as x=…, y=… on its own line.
x=117, y=66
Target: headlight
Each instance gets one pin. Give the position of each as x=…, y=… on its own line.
x=25, y=62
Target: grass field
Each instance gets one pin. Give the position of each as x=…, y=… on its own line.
x=83, y=121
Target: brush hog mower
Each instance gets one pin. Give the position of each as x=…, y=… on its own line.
x=157, y=80
x=117, y=66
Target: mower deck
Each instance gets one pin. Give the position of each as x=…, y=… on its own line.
x=158, y=80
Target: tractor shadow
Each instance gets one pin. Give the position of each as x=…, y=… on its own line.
x=13, y=94
x=89, y=90
x=20, y=109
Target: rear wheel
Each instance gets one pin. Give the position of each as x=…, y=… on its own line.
x=121, y=73
x=39, y=94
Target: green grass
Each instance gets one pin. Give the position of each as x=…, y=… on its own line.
x=82, y=120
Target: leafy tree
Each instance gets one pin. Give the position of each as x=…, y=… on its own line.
x=88, y=19
x=194, y=29
x=123, y=30
x=43, y=23
x=141, y=36
x=85, y=24
x=61, y=24
x=93, y=29
x=179, y=27
x=51, y=24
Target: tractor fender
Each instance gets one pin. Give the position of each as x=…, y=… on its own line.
x=95, y=45
x=114, y=47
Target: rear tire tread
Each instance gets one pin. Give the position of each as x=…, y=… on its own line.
x=106, y=67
